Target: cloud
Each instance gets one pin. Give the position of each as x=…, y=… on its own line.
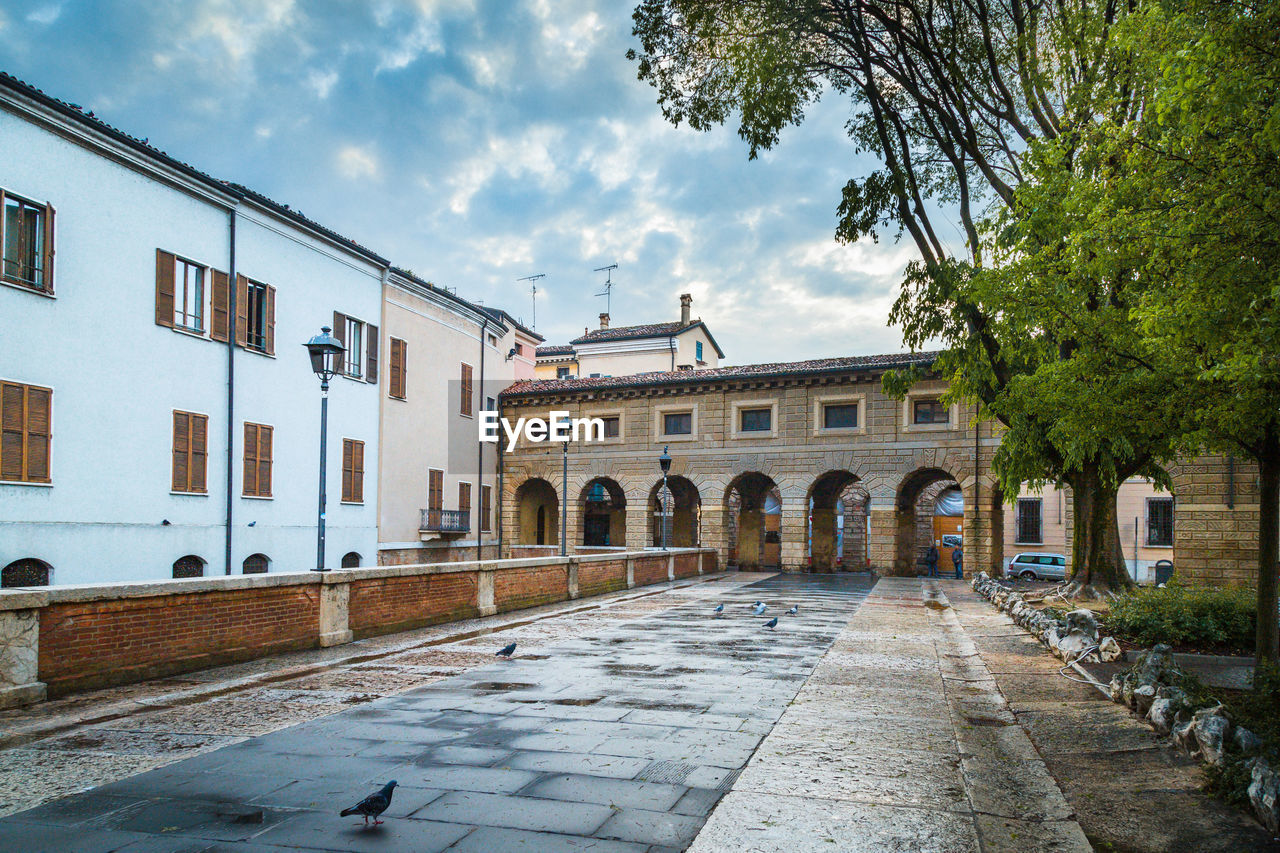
x=45, y=15
x=322, y=82
x=532, y=153
x=423, y=38
x=354, y=163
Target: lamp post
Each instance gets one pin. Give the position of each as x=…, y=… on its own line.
x=326, y=354
x=564, y=499
x=664, y=461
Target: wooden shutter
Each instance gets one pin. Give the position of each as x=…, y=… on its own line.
x=270, y=320
x=47, y=260
x=199, y=451
x=250, y=459
x=266, y=437
x=466, y=389
x=435, y=490
x=464, y=497
x=164, y=288
x=12, y=429
x=218, y=327
x=397, y=378
x=486, y=508
x=181, y=451
x=347, y=474
x=39, y=430
x=357, y=472
x=371, y=334
x=242, y=311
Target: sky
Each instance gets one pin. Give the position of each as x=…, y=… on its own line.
x=476, y=142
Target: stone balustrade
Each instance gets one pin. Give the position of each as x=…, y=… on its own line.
x=61, y=639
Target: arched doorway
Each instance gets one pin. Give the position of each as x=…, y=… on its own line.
x=753, y=516
x=537, y=513
x=604, y=514
x=838, y=523
x=680, y=508
x=917, y=501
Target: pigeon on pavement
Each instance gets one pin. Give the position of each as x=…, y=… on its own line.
x=372, y=805
x=795, y=608
x=757, y=604
x=719, y=609
x=506, y=651
x=772, y=623
x=760, y=606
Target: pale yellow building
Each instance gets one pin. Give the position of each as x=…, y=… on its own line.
x=1041, y=521
x=684, y=344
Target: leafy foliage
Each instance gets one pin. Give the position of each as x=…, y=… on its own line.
x=1184, y=614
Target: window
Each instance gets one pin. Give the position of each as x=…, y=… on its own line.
x=562, y=373
x=840, y=416
x=486, y=508
x=399, y=369
x=360, y=361
x=466, y=392
x=1160, y=522
x=611, y=426
x=352, y=471
x=677, y=423
x=491, y=404
x=435, y=490
x=25, y=572
x=255, y=564
x=190, y=452
x=26, y=430
x=519, y=349
x=756, y=420
x=493, y=340
x=255, y=315
x=464, y=500
x=183, y=289
x=189, y=566
x=26, y=235
x=257, y=460
x=698, y=349
x=351, y=560
x=1030, y=513
x=930, y=412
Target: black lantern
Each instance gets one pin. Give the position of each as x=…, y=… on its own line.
x=665, y=461
x=326, y=355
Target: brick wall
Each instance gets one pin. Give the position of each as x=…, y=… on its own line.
x=651, y=569
x=599, y=578
x=514, y=589
x=686, y=565
x=97, y=643
x=387, y=605
x=437, y=553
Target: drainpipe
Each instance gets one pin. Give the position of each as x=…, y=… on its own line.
x=484, y=329
x=671, y=345
x=231, y=380
x=501, y=485
x=977, y=490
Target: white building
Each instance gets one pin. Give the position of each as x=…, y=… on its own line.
x=160, y=416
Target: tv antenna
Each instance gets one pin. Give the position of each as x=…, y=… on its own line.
x=533, y=294
x=607, y=293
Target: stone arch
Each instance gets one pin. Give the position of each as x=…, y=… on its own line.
x=29, y=571
x=255, y=564
x=190, y=566
x=680, y=509
x=537, y=513
x=746, y=522
x=837, y=504
x=602, y=503
x=914, y=499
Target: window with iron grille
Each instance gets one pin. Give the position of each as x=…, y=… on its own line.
x=562, y=373
x=189, y=566
x=678, y=423
x=611, y=425
x=25, y=572
x=840, y=416
x=755, y=420
x=930, y=412
x=1160, y=522
x=255, y=564
x=351, y=560
x=26, y=241
x=1030, y=530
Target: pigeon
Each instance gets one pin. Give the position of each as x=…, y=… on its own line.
x=772, y=623
x=757, y=604
x=760, y=608
x=795, y=608
x=372, y=805
x=719, y=609
x=506, y=651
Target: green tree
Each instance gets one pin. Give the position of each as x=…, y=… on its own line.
x=953, y=97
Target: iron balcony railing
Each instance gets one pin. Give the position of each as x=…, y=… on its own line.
x=445, y=521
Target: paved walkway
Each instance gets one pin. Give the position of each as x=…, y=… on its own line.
x=619, y=740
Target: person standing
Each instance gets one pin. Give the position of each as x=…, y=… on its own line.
x=931, y=560
x=957, y=557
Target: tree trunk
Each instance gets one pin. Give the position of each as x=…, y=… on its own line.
x=1268, y=544
x=1097, y=561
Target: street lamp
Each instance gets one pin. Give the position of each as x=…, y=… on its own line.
x=664, y=461
x=326, y=361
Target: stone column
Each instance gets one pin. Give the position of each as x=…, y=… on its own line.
x=882, y=547
x=20, y=649
x=484, y=593
x=335, y=599
x=794, y=529
x=750, y=525
x=573, y=579
x=713, y=532
x=631, y=572
x=824, y=540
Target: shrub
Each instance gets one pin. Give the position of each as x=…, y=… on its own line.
x=1181, y=614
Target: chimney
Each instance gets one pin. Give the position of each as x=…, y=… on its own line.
x=604, y=320
x=686, y=300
